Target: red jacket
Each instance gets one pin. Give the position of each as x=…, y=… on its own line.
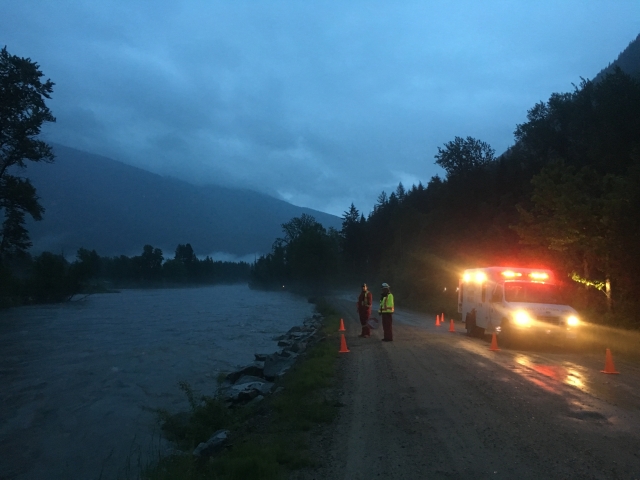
x=365, y=302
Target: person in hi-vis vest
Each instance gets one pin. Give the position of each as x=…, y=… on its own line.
x=365, y=300
x=386, y=312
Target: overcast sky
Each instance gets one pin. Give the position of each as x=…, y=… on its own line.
x=319, y=103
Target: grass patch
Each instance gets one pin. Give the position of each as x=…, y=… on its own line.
x=188, y=429
x=269, y=439
x=302, y=405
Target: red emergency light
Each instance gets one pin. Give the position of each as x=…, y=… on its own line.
x=511, y=274
x=539, y=275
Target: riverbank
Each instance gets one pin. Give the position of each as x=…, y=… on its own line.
x=258, y=425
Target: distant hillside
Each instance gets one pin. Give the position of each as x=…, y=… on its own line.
x=99, y=203
x=628, y=61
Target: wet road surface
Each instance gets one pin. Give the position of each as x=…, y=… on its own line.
x=435, y=404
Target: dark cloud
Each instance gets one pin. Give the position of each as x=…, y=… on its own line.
x=322, y=103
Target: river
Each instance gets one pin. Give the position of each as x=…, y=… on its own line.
x=78, y=380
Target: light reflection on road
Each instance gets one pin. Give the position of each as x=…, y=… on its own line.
x=568, y=375
x=552, y=373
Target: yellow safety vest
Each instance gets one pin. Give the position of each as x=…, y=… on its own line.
x=386, y=304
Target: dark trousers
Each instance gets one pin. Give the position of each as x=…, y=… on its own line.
x=387, y=326
x=364, y=317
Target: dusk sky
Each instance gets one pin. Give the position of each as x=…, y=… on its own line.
x=318, y=103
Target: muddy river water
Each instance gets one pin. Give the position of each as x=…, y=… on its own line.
x=78, y=381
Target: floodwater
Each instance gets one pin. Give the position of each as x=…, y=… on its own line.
x=78, y=380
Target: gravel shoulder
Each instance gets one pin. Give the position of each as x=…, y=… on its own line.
x=434, y=404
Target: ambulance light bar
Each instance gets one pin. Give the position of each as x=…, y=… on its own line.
x=477, y=277
x=480, y=277
x=511, y=274
x=539, y=275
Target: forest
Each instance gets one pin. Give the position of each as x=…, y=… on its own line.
x=48, y=277
x=564, y=196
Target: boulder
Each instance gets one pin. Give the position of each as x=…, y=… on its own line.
x=244, y=392
x=215, y=443
x=249, y=379
x=253, y=370
x=246, y=395
x=266, y=388
x=275, y=366
x=298, y=347
x=284, y=343
x=260, y=357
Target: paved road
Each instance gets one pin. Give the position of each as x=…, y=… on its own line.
x=434, y=404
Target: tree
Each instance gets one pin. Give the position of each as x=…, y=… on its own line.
x=295, y=228
x=596, y=125
x=350, y=217
x=382, y=201
x=577, y=213
x=148, y=266
x=17, y=197
x=353, y=238
x=22, y=113
x=51, y=279
x=87, y=266
x=185, y=255
x=463, y=156
x=307, y=255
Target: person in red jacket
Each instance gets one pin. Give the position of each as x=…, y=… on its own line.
x=364, y=310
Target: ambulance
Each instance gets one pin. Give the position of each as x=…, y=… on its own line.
x=515, y=303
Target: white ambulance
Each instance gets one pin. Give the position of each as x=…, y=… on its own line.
x=515, y=303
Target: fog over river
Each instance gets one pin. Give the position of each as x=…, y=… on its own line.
x=77, y=379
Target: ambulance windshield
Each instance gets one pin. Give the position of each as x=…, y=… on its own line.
x=532, y=293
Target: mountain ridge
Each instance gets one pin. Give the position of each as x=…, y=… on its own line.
x=100, y=203
x=628, y=60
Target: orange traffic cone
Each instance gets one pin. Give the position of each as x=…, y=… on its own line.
x=494, y=343
x=608, y=363
x=437, y=320
x=343, y=345
x=452, y=327
x=341, y=329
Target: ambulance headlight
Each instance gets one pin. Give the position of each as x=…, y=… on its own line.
x=522, y=318
x=573, y=321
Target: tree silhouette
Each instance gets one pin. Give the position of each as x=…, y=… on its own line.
x=22, y=113
x=464, y=156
